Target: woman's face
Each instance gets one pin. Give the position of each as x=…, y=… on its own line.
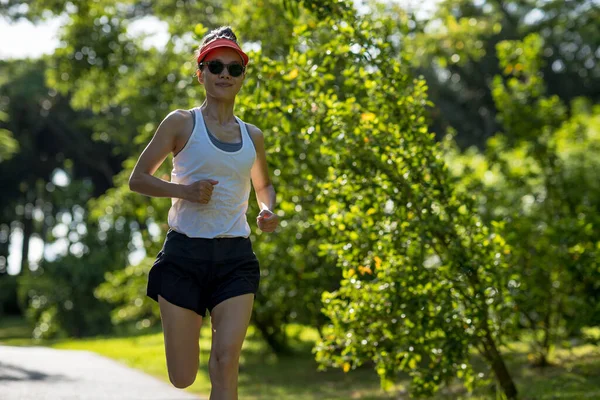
x=222, y=86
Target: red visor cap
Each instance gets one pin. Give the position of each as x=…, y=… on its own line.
x=222, y=43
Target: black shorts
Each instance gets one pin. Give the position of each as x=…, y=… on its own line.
x=198, y=274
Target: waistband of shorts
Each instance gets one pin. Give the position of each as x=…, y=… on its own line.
x=172, y=232
x=208, y=249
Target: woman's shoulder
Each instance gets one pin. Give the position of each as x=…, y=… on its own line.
x=257, y=137
x=180, y=116
x=254, y=131
x=179, y=120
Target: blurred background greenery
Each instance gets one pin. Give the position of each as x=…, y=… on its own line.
x=436, y=166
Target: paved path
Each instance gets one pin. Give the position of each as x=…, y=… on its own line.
x=40, y=373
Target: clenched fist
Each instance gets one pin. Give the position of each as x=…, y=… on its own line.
x=200, y=191
x=267, y=221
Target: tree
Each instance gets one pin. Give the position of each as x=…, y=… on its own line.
x=50, y=136
x=53, y=140
x=8, y=144
x=422, y=275
x=526, y=182
x=58, y=296
x=455, y=50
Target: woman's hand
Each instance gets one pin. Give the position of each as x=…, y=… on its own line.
x=267, y=220
x=200, y=191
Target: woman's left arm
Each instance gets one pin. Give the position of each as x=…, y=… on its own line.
x=267, y=220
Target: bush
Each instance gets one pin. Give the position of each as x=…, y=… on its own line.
x=125, y=290
x=59, y=296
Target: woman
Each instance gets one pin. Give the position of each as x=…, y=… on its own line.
x=207, y=262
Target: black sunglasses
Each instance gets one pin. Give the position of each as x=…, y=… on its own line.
x=216, y=67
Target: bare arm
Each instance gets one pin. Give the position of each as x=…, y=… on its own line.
x=267, y=220
x=170, y=136
x=265, y=193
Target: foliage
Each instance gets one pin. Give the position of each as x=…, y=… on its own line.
x=50, y=138
x=454, y=47
x=422, y=275
x=343, y=94
x=53, y=141
x=527, y=182
x=8, y=144
x=125, y=289
x=434, y=263
x=57, y=297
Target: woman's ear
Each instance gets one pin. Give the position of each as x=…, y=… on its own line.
x=200, y=77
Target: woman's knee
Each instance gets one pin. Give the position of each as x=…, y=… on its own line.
x=182, y=379
x=224, y=360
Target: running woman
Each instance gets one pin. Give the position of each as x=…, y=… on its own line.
x=207, y=261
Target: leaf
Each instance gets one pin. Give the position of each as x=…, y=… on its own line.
x=365, y=270
x=377, y=262
x=368, y=116
x=200, y=30
x=412, y=363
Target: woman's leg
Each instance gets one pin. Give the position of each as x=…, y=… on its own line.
x=181, y=329
x=229, y=320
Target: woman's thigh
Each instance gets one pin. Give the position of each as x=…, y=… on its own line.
x=181, y=329
x=230, y=320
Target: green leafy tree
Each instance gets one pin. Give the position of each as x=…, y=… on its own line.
x=58, y=295
x=8, y=144
x=52, y=140
x=423, y=281
x=537, y=180
x=49, y=137
x=455, y=50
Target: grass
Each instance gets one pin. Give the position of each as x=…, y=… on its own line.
x=263, y=375
x=14, y=329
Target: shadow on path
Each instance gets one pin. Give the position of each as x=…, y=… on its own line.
x=10, y=372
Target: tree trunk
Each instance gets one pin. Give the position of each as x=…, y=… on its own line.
x=27, y=232
x=495, y=359
x=543, y=361
x=4, y=246
x=275, y=337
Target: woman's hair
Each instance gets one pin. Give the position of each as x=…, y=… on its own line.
x=223, y=32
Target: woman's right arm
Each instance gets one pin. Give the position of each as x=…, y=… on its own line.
x=176, y=126
x=163, y=142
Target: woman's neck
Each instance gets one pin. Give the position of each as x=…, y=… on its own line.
x=218, y=111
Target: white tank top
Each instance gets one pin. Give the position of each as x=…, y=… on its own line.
x=225, y=214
